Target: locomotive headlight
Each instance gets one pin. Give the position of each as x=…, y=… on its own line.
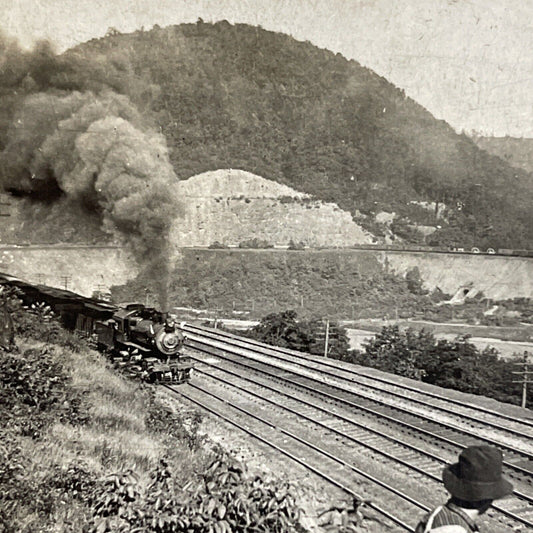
x=170, y=341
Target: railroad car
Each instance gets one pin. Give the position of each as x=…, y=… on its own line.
x=145, y=340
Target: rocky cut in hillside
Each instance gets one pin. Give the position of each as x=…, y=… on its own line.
x=232, y=207
x=237, y=96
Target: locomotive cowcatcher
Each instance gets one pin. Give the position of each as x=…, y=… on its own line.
x=145, y=339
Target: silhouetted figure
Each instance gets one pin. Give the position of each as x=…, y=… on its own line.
x=474, y=482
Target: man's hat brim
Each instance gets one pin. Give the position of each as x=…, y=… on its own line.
x=474, y=491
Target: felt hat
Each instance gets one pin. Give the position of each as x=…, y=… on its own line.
x=477, y=475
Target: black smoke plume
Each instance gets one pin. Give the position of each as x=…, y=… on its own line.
x=86, y=152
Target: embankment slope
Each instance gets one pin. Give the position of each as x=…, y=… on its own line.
x=498, y=277
x=82, y=269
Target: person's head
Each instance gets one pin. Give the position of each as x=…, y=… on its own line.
x=476, y=480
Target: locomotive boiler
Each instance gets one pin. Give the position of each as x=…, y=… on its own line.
x=145, y=340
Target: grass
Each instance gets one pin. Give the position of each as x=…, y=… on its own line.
x=108, y=434
x=83, y=449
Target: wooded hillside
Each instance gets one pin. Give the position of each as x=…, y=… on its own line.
x=237, y=96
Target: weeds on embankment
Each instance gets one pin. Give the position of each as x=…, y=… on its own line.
x=84, y=449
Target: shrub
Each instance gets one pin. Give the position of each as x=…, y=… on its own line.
x=296, y=246
x=414, y=281
x=223, y=499
x=38, y=321
x=163, y=420
x=255, y=243
x=218, y=246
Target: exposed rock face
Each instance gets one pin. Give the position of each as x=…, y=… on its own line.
x=231, y=206
x=497, y=277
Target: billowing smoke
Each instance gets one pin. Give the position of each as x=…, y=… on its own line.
x=96, y=152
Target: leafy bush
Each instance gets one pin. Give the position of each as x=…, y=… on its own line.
x=456, y=364
x=414, y=281
x=163, y=420
x=218, y=246
x=38, y=321
x=222, y=500
x=35, y=392
x=296, y=246
x=255, y=243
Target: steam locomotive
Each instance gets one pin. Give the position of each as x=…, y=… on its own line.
x=144, y=341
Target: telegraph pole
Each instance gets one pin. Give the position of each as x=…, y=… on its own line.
x=326, y=339
x=525, y=380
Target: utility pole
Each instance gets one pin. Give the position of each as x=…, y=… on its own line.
x=326, y=339
x=525, y=380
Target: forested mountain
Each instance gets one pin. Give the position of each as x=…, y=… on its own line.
x=237, y=96
x=518, y=152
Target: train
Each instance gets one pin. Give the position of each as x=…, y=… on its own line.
x=441, y=249
x=146, y=342
x=141, y=340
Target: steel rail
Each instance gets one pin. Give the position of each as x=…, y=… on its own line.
x=390, y=393
x=300, y=461
x=237, y=341
x=518, y=494
x=509, y=514
x=374, y=412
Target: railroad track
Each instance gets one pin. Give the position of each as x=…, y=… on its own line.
x=279, y=401
x=516, y=435
x=360, y=375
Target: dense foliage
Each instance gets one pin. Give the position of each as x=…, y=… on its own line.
x=222, y=500
x=456, y=364
x=283, y=329
x=517, y=152
x=236, y=96
x=35, y=392
x=91, y=479
x=328, y=284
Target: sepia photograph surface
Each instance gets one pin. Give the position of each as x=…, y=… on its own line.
x=266, y=266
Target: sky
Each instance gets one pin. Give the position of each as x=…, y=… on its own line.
x=469, y=62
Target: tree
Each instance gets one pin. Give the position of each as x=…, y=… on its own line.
x=398, y=352
x=282, y=329
x=456, y=364
x=459, y=365
x=338, y=343
x=414, y=281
